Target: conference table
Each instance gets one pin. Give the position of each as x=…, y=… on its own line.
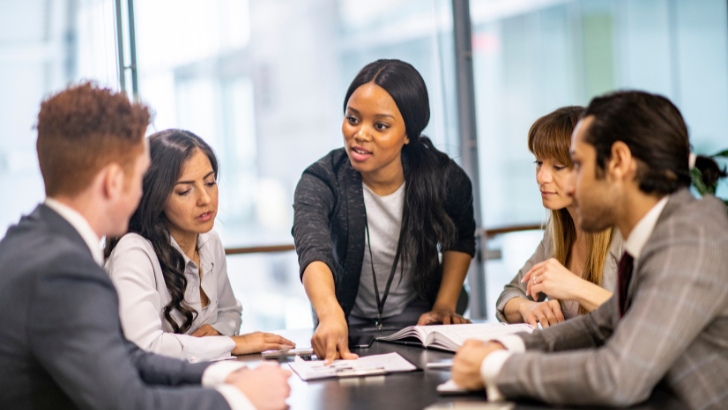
x=403, y=391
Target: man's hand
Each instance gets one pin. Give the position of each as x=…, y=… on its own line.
x=258, y=341
x=266, y=386
x=205, y=330
x=547, y=313
x=330, y=341
x=468, y=360
x=443, y=315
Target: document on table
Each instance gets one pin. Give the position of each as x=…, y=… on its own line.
x=451, y=337
x=363, y=366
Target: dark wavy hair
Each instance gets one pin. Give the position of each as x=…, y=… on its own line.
x=656, y=134
x=169, y=150
x=426, y=226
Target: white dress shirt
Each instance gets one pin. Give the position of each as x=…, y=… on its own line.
x=79, y=223
x=215, y=375
x=633, y=245
x=135, y=270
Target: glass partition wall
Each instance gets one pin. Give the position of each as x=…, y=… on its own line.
x=263, y=82
x=531, y=57
x=43, y=46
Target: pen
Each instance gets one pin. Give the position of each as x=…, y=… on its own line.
x=439, y=365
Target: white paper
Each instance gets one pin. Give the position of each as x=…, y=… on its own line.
x=363, y=366
x=451, y=337
x=480, y=331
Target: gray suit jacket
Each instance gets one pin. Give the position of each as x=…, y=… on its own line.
x=675, y=330
x=61, y=344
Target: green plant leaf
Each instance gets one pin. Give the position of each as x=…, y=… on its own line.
x=698, y=183
x=723, y=154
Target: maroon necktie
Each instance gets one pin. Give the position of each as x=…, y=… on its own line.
x=624, y=273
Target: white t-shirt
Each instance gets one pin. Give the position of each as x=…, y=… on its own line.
x=384, y=218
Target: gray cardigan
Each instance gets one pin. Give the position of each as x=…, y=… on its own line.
x=516, y=289
x=329, y=221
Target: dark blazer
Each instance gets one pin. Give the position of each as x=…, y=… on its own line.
x=329, y=221
x=61, y=343
x=675, y=330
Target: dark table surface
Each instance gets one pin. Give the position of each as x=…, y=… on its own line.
x=405, y=391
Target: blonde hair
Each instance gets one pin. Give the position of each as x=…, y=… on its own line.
x=550, y=137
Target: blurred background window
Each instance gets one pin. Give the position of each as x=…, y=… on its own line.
x=531, y=57
x=43, y=46
x=263, y=82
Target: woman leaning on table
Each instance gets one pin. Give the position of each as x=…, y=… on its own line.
x=372, y=217
x=572, y=272
x=170, y=271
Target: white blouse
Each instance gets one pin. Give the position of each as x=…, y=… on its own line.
x=135, y=271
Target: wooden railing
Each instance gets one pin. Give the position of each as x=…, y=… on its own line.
x=487, y=233
x=260, y=249
x=491, y=232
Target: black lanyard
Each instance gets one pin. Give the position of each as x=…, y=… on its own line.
x=380, y=302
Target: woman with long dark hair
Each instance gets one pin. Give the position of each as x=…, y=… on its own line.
x=384, y=227
x=170, y=273
x=572, y=271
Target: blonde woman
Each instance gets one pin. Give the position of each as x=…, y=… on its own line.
x=572, y=272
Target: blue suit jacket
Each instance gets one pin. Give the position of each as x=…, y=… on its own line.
x=61, y=343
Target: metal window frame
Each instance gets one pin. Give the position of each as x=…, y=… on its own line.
x=465, y=86
x=121, y=55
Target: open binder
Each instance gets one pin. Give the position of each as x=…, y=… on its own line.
x=451, y=337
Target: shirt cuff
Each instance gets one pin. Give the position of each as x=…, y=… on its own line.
x=215, y=374
x=202, y=349
x=512, y=343
x=235, y=398
x=489, y=370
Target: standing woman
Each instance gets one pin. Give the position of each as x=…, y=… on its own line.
x=372, y=218
x=576, y=271
x=170, y=272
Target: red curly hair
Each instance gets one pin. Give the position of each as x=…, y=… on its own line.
x=83, y=129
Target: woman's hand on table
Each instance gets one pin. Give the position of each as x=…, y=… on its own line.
x=547, y=313
x=330, y=340
x=443, y=315
x=257, y=342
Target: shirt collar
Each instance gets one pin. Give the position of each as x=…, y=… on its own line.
x=642, y=231
x=81, y=225
x=201, y=241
